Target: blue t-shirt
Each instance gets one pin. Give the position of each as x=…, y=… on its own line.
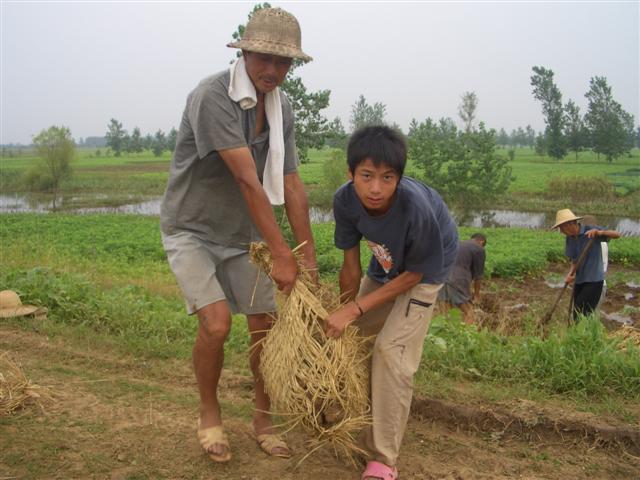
x=592, y=269
x=416, y=234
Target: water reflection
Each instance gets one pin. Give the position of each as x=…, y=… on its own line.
x=477, y=219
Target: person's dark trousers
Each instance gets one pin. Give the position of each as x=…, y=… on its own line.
x=585, y=298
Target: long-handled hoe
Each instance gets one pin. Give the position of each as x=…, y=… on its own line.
x=547, y=318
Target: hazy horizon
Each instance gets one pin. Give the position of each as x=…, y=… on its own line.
x=81, y=64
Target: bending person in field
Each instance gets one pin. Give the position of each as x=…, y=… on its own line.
x=467, y=269
x=407, y=227
x=235, y=156
x=588, y=278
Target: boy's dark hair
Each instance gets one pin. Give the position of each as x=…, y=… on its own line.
x=379, y=143
x=479, y=236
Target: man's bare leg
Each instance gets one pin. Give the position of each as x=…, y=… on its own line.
x=214, y=324
x=468, y=314
x=258, y=325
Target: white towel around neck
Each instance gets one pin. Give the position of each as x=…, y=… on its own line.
x=241, y=90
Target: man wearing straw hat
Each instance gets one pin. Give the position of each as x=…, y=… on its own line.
x=588, y=277
x=236, y=156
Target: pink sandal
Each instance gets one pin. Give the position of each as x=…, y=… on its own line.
x=379, y=470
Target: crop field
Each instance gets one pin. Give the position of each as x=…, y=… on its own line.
x=116, y=344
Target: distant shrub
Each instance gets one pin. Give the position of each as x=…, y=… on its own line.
x=579, y=189
x=38, y=179
x=334, y=171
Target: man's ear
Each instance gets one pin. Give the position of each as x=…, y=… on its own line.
x=350, y=174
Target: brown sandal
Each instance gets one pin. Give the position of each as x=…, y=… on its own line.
x=214, y=436
x=270, y=441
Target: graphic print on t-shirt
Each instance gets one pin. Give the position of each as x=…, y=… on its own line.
x=382, y=254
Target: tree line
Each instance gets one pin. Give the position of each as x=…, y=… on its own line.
x=606, y=128
x=119, y=140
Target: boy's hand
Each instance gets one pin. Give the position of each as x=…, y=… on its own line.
x=338, y=320
x=284, y=271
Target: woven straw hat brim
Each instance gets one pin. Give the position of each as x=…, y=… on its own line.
x=19, y=311
x=272, y=48
x=565, y=220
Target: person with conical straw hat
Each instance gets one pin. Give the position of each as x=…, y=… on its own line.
x=235, y=156
x=588, y=277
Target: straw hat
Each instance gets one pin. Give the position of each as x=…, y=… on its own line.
x=273, y=31
x=563, y=216
x=11, y=306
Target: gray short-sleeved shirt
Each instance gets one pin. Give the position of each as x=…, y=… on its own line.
x=202, y=196
x=469, y=266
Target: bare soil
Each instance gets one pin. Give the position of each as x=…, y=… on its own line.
x=505, y=302
x=114, y=417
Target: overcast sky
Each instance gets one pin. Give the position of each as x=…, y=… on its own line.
x=79, y=64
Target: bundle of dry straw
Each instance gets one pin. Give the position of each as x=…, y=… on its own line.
x=309, y=376
x=15, y=389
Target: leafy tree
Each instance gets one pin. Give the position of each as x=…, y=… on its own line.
x=116, y=137
x=463, y=167
x=363, y=114
x=172, y=139
x=575, y=131
x=546, y=91
x=310, y=125
x=467, y=110
x=336, y=134
x=148, y=141
x=502, y=138
x=627, y=121
x=135, y=142
x=609, y=125
x=56, y=149
x=530, y=136
x=540, y=146
x=159, y=143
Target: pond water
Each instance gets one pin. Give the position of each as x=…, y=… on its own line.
x=490, y=218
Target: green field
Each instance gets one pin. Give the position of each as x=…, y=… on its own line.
x=106, y=277
x=132, y=178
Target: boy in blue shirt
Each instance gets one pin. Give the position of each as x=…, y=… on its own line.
x=414, y=242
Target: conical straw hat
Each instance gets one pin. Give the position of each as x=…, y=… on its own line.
x=273, y=31
x=11, y=306
x=563, y=216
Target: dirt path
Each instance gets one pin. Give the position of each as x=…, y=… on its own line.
x=122, y=418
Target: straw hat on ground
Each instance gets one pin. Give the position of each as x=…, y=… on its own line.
x=563, y=216
x=273, y=31
x=11, y=306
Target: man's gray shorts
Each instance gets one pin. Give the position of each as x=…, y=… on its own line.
x=208, y=272
x=450, y=294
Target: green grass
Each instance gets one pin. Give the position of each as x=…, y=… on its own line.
x=134, y=178
x=532, y=173
x=106, y=283
x=582, y=360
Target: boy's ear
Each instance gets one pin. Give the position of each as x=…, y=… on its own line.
x=350, y=174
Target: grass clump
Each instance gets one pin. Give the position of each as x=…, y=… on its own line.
x=578, y=188
x=583, y=360
x=129, y=318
